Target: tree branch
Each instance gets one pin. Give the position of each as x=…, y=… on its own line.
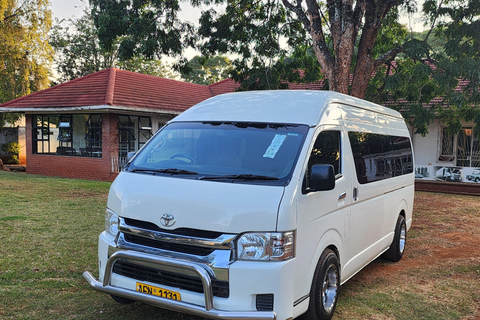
x=18, y=11
x=390, y=55
x=299, y=12
x=437, y=13
x=358, y=14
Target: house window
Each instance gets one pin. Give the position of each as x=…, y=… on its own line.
x=144, y=130
x=468, y=148
x=126, y=135
x=93, y=136
x=463, y=148
x=133, y=133
x=446, y=146
x=45, y=132
x=163, y=120
x=67, y=134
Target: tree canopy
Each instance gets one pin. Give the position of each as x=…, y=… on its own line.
x=354, y=47
x=261, y=33
x=207, y=70
x=25, y=53
x=438, y=78
x=79, y=53
x=150, y=28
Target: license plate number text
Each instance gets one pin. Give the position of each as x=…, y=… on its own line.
x=159, y=292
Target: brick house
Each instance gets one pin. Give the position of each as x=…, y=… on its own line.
x=84, y=128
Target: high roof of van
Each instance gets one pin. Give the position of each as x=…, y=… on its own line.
x=275, y=106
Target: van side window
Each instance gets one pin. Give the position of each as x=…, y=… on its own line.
x=378, y=157
x=326, y=150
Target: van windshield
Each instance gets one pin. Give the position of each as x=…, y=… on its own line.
x=239, y=152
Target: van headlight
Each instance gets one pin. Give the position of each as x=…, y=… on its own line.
x=111, y=222
x=268, y=246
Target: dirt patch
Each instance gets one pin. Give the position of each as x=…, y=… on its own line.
x=442, y=258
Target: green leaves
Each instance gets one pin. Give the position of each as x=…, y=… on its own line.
x=416, y=49
x=79, y=52
x=142, y=27
x=207, y=70
x=277, y=42
x=13, y=148
x=25, y=53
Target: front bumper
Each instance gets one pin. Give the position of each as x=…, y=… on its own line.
x=207, y=311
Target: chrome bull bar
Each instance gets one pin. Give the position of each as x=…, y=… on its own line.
x=208, y=311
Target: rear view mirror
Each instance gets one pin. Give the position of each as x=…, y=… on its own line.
x=322, y=177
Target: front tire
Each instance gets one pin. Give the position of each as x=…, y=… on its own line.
x=122, y=300
x=397, y=248
x=325, y=288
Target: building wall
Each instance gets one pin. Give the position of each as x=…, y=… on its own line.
x=426, y=147
x=429, y=166
x=89, y=168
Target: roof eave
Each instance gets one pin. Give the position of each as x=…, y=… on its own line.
x=98, y=109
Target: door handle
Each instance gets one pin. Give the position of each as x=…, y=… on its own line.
x=355, y=194
x=342, y=196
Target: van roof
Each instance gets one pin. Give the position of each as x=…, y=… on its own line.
x=274, y=106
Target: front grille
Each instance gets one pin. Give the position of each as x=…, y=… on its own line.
x=195, y=233
x=171, y=246
x=171, y=279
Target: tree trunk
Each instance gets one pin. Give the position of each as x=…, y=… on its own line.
x=344, y=25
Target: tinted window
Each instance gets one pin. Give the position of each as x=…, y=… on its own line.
x=326, y=150
x=379, y=157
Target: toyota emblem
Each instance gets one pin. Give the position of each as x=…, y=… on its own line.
x=167, y=220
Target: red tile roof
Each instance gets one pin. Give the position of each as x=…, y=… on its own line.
x=116, y=88
x=224, y=86
x=129, y=91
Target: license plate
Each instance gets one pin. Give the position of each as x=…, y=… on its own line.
x=159, y=292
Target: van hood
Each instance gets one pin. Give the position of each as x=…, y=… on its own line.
x=198, y=204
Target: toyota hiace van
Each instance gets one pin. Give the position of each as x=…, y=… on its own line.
x=258, y=205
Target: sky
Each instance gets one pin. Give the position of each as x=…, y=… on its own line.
x=64, y=9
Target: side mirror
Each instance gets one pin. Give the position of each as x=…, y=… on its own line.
x=322, y=177
x=130, y=155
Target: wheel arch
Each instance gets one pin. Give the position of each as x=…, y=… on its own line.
x=332, y=240
x=404, y=210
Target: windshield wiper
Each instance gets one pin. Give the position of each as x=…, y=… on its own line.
x=239, y=177
x=168, y=171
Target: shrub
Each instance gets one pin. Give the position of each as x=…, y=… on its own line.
x=13, y=148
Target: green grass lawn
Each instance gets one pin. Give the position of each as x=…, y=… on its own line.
x=49, y=229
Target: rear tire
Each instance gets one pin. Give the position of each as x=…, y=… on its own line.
x=397, y=248
x=325, y=288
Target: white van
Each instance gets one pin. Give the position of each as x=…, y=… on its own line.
x=258, y=205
